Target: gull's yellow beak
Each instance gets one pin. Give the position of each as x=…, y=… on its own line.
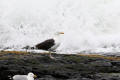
x=61, y=32
x=35, y=76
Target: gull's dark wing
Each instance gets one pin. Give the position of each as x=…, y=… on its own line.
x=45, y=45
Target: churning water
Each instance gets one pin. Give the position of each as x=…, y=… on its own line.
x=87, y=24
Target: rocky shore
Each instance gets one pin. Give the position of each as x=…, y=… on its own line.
x=64, y=67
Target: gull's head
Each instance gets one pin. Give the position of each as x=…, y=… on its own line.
x=57, y=35
x=31, y=75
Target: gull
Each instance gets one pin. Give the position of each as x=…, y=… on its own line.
x=30, y=76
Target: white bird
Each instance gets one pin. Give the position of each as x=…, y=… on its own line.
x=30, y=76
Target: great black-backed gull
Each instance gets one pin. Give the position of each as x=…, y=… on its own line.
x=50, y=44
x=30, y=76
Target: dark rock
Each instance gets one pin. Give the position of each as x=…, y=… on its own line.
x=66, y=67
x=107, y=76
x=101, y=63
x=115, y=63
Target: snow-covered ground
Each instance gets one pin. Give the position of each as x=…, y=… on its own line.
x=89, y=25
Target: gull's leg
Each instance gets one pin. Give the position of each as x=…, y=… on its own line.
x=26, y=50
